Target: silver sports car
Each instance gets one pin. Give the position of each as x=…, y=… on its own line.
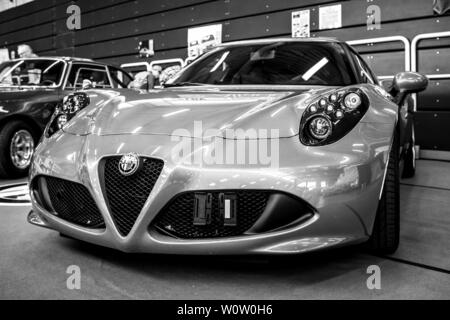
x=258, y=147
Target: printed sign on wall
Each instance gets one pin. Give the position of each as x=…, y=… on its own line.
x=203, y=39
x=300, y=24
x=4, y=55
x=330, y=17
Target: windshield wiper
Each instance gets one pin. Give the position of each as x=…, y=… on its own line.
x=183, y=84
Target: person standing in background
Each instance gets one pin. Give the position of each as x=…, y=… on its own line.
x=34, y=74
x=25, y=51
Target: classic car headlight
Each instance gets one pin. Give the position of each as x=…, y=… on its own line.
x=330, y=117
x=70, y=106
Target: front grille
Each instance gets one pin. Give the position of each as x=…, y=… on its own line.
x=126, y=195
x=72, y=202
x=177, y=218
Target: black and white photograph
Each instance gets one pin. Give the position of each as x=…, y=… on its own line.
x=231, y=158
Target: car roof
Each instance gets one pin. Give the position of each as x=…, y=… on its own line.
x=59, y=58
x=285, y=39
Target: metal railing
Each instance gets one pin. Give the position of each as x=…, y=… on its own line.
x=166, y=61
x=414, y=56
x=402, y=39
x=145, y=65
x=148, y=66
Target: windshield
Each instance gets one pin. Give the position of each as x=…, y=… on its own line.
x=33, y=72
x=280, y=63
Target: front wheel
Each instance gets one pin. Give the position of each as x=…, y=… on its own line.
x=386, y=230
x=17, y=141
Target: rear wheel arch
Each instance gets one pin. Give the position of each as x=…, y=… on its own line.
x=37, y=129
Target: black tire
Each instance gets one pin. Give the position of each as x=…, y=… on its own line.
x=386, y=230
x=409, y=169
x=7, y=168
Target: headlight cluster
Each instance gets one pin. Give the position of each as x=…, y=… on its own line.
x=330, y=117
x=70, y=106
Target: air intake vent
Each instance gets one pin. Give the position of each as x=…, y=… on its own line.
x=69, y=200
x=126, y=195
x=177, y=218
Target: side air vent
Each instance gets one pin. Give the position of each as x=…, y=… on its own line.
x=68, y=200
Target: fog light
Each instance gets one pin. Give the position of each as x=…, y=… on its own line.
x=320, y=127
x=352, y=101
x=333, y=97
x=323, y=102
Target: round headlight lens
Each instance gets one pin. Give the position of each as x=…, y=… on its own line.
x=322, y=102
x=352, y=101
x=320, y=127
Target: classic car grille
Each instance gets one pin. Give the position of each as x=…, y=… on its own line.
x=73, y=202
x=126, y=195
x=177, y=218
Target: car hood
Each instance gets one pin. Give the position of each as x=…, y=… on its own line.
x=198, y=112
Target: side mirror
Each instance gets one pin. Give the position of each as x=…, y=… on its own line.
x=409, y=82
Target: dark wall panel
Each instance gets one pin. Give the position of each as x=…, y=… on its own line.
x=386, y=64
x=112, y=21
x=167, y=54
x=436, y=97
x=433, y=130
x=434, y=60
x=27, y=9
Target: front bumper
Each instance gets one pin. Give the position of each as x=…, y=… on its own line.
x=341, y=181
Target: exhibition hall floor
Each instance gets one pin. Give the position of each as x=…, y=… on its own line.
x=34, y=261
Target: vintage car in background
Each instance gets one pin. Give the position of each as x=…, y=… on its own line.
x=109, y=169
x=30, y=89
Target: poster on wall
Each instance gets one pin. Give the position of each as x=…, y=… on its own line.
x=202, y=39
x=330, y=17
x=300, y=24
x=4, y=55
